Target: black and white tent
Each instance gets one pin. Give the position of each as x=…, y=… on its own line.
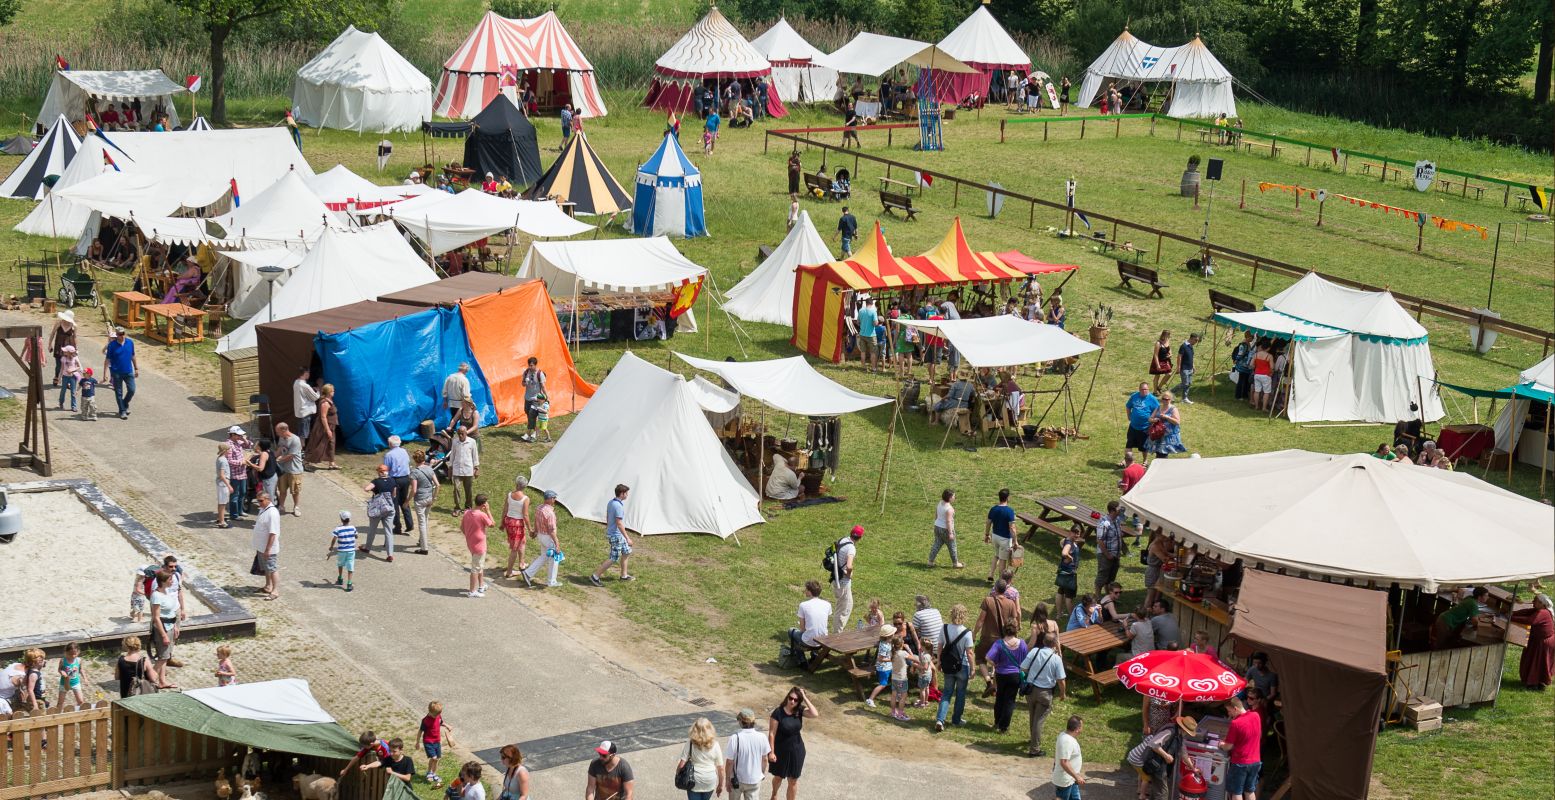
x=50, y=157
x=200, y=124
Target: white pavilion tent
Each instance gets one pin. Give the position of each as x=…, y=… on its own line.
x=982, y=43
x=342, y=267
x=1354, y=355
x=873, y=54
x=799, y=69
x=612, y=265
x=361, y=83
x=660, y=444
x=1348, y=517
x=443, y=221
x=157, y=174
x=767, y=293
x=72, y=89
x=286, y=213
x=1200, y=84
x=1535, y=384
x=788, y=384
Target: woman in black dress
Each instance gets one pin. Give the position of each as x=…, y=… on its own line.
x=786, y=742
x=1161, y=361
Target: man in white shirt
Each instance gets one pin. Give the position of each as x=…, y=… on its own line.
x=267, y=544
x=814, y=614
x=1068, y=764
x=1044, y=669
x=305, y=402
x=464, y=464
x=456, y=389
x=747, y=750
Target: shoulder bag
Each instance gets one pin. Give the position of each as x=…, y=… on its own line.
x=141, y=684
x=685, y=777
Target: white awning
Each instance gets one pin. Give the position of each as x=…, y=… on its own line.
x=1005, y=340
x=445, y=222
x=623, y=265
x=1349, y=517
x=123, y=84
x=873, y=54
x=788, y=384
x=288, y=701
x=1277, y=325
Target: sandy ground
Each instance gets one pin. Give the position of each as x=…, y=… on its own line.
x=77, y=560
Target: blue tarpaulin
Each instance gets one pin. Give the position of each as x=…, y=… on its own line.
x=388, y=376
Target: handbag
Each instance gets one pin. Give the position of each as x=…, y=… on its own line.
x=1157, y=430
x=685, y=777
x=141, y=684
x=1066, y=583
x=381, y=505
x=1017, y=556
x=258, y=567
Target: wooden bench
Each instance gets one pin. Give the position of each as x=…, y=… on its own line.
x=764, y=252
x=814, y=183
x=1128, y=272
x=1084, y=643
x=1274, y=152
x=1368, y=166
x=1035, y=523
x=892, y=200
x=861, y=678
x=1220, y=301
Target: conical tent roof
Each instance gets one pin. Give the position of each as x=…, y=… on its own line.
x=503, y=142
x=472, y=75
x=287, y=212
x=767, y=293
x=781, y=44
x=682, y=479
x=342, y=267
x=712, y=49
x=361, y=83
x=200, y=124
x=668, y=199
x=1201, y=84
x=800, y=72
x=363, y=60
x=338, y=185
x=53, y=153
x=981, y=41
x=578, y=176
x=1376, y=314
x=669, y=161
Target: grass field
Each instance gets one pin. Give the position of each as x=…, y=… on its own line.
x=711, y=598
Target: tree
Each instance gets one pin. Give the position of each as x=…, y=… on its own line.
x=8, y=10
x=222, y=18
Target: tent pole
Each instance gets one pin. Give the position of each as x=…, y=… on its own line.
x=1214, y=351
x=1089, y=390
x=575, y=332
x=707, y=336
x=761, y=460
x=1544, y=454
x=1285, y=383
x=882, y=485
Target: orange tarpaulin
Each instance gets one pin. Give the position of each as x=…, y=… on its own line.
x=505, y=329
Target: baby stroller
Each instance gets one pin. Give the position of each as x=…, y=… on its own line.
x=78, y=286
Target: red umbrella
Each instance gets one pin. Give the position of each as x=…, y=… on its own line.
x=1181, y=676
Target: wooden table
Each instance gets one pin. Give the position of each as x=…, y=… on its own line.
x=907, y=188
x=1087, y=642
x=127, y=307
x=164, y=319
x=1060, y=515
x=844, y=648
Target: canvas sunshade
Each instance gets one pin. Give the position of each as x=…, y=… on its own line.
x=788, y=384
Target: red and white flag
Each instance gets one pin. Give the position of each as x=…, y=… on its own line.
x=925, y=180
x=193, y=83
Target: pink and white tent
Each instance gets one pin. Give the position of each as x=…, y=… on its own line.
x=711, y=50
x=539, y=49
x=982, y=43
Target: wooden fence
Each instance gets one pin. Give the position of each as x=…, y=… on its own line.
x=1418, y=305
x=59, y=751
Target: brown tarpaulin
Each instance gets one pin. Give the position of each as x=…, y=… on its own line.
x=286, y=345
x=1328, y=643
x=451, y=291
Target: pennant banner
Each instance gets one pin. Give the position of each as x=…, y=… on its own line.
x=1441, y=223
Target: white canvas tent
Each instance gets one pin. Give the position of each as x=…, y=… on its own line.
x=343, y=267
x=361, y=83
x=286, y=213
x=1005, y=340
x=1354, y=355
x=443, y=221
x=613, y=265
x=50, y=157
x=1535, y=384
x=788, y=384
x=767, y=293
x=799, y=69
x=982, y=43
x=248, y=291
x=644, y=428
x=1348, y=517
x=159, y=173
x=71, y=90
x=344, y=190
x=874, y=55
x=1200, y=84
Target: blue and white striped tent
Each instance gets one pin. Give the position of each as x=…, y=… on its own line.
x=50, y=157
x=669, y=195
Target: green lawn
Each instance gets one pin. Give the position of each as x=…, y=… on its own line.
x=711, y=598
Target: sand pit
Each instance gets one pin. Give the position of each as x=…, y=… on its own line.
x=76, y=566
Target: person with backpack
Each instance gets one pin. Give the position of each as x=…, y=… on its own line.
x=1001, y=666
x=1044, y=671
x=955, y=664
x=839, y=562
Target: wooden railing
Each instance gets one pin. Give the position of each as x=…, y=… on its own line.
x=1418, y=305
x=63, y=750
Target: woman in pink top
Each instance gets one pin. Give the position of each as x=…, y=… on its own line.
x=474, y=523
x=545, y=537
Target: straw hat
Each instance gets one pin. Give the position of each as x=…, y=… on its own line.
x=887, y=631
x=67, y=316
x=1188, y=725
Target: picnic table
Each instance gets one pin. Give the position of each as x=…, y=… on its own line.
x=1060, y=515
x=174, y=323
x=1086, y=642
x=844, y=649
x=127, y=308
x=1126, y=247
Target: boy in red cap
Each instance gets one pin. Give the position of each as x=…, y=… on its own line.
x=88, y=387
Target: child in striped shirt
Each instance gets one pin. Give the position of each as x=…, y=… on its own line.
x=343, y=544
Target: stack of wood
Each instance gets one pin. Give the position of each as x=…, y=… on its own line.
x=1423, y=714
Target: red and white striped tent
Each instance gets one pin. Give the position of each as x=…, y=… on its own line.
x=711, y=50
x=539, y=49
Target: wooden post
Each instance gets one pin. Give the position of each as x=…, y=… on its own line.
x=766, y=140
x=1152, y=126
x=1544, y=457
x=1158, y=240
x=1044, y=130
x=1506, y=195
x=955, y=198
x=1214, y=350
x=1179, y=130
x=1255, y=275
x=1309, y=156
x=1242, y=203
x=1031, y=219
x=1117, y=127
x=1082, y=127
x=1344, y=166
x=888, y=132
x=761, y=459
x=1001, y=131
x=1320, y=205
x=1273, y=148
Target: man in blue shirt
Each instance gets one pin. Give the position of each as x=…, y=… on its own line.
x=847, y=228
x=616, y=536
x=1141, y=406
x=1185, y=366
x=1109, y=545
x=868, y=320
x=122, y=369
x=1000, y=532
x=566, y=122
x=398, y=462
